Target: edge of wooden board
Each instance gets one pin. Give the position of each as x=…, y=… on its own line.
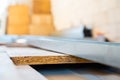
x=41, y=60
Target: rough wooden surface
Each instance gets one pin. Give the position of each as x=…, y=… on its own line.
x=32, y=56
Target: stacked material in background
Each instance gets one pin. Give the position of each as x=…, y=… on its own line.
x=42, y=24
x=18, y=20
x=41, y=6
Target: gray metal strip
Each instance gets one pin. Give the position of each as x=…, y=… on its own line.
x=101, y=52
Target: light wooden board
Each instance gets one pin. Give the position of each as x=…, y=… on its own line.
x=8, y=71
x=33, y=56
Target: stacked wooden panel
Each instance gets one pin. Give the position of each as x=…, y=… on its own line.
x=41, y=6
x=41, y=24
x=18, y=20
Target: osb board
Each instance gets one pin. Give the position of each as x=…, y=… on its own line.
x=43, y=30
x=18, y=20
x=39, y=19
x=32, y=56
x=41, y=6
x=18, y=29
x=18, y=10
x=42, y=24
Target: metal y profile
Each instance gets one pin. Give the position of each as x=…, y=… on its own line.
x=102, y=52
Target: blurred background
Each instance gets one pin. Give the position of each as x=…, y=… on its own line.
x=22, y=20
x=94, y=19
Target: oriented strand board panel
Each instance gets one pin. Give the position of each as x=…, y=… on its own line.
x=42, y=24
x=18, y=14
x=32, y=56
x=18, y=20
x=42, y=30
x=42, y=19
x=41, y=6
x=18, y=10
x=18, y=29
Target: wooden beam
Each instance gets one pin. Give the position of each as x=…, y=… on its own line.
x=33, y=56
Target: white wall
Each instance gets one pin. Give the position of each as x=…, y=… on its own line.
x=70, y=12
x=101, y=14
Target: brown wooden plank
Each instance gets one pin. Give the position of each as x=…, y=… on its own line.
x=33, y=56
